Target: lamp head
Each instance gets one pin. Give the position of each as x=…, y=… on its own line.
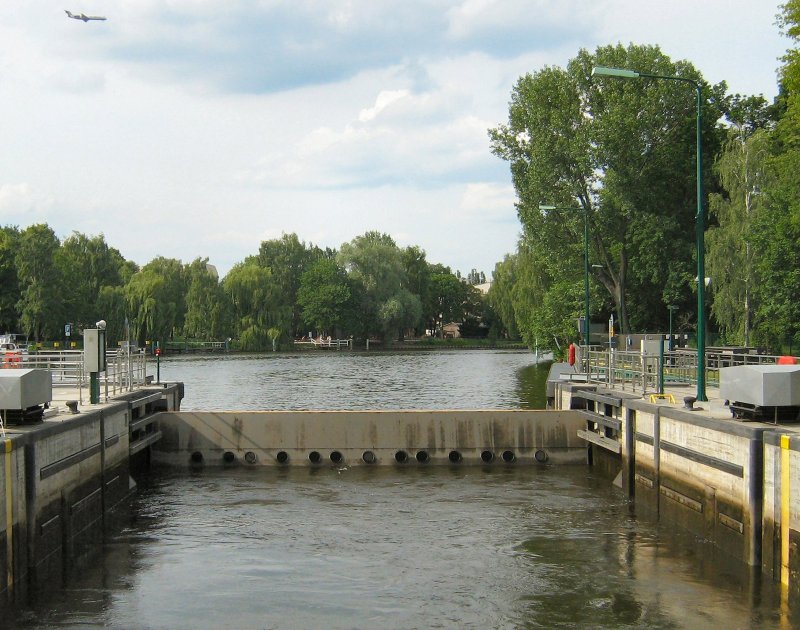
x=601, y=71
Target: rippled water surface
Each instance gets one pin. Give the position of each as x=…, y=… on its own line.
x=344, y=380
x=397, y=547
x=499, y=547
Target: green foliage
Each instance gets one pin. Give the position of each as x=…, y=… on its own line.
x=112, y=304
x=616, y=152
x=255, y=305
x=418, y=274
x=39, y=306
x=500, y=296
x=255, y=309
x=375, y=264
x=450, y=298
x=731, y=260
x=287, y=259
x=274, y=334
x=789, y=22
x=87, y=264
x=547, y=301
x=776, y=226
x=10, y=295
x=207, y=309
x=325, y=297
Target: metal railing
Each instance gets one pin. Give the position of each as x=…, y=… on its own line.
x=623, y=370
x=125, y=371
x=641, y=373
x=195, y=346
x=325, y=343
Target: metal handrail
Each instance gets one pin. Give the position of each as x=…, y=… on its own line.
x=639, y=371
x=325, y=343
x=125, y=370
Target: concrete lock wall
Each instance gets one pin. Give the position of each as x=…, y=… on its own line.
x=13, y=529
x=702, y=473
x=76, y=472
x=781, y=529
x=306, y=438
x=64, y=477
x=732, y=483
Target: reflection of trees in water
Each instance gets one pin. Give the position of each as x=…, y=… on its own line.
x=531, y=386
x=640, y=574
x=571, y=596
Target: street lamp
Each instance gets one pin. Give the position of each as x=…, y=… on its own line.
x=585, y=268
x=672, y=308
x=700, y=217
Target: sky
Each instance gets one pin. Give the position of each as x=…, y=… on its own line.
x=191, y=128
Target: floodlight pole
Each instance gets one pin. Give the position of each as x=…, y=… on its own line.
x=700, y=217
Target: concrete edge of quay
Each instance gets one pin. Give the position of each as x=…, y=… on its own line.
x=732, y=482
x=64, y=477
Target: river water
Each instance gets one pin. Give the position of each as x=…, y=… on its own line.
x=367, y=380
x=404, y=547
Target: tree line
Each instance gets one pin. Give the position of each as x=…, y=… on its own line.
x=620, y=155
x=369, y=288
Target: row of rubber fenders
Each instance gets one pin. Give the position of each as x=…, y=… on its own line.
x=368, y=457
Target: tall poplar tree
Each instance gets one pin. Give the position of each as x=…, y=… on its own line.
x=776, y=230
x=741, y=167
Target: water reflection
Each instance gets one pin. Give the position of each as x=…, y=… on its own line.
x=479, y=379
x=507, y=547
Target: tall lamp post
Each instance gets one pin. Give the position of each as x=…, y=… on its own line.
x=700, y=217
x=585, y=268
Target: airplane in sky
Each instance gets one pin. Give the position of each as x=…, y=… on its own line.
x=85, y=18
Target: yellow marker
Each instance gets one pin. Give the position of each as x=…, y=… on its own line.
x=785, y=507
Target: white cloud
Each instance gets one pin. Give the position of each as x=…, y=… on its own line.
x=490, y=199
x=197, y=128
x=385, y=99
x=20, y=200
x=735, y=41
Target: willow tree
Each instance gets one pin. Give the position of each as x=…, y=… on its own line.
x=621, y=154
x=155, y=297
x=256, y=303
x=207, y=312
x=287, y=258
x=375, y=265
